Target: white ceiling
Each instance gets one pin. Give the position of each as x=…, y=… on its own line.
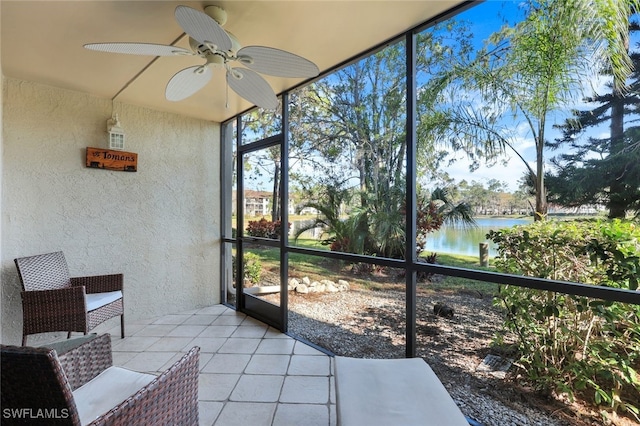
x=42, y=42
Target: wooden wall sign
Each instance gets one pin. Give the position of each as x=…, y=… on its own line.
x=109, y=159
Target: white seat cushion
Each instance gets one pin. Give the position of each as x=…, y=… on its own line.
x=107, y=390
x=98, y=300
x=383, y=392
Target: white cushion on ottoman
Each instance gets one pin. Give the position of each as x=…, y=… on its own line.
x=107, y=390
x=384, y=392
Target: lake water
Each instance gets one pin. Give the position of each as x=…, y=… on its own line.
x=453, y=240
x=458, y=240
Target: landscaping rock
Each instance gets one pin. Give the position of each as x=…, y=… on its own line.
x=293, y=284
x=443, y=310
x=305, y=285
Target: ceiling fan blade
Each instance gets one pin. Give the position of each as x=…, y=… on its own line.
x=271, y=61
x=139, y=49
x=187, y=82
x=202, y=28
x=251, y=86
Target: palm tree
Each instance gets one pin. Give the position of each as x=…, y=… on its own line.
x=379, y=227
x=530, y=70
x=438, y=208
x=340, y=233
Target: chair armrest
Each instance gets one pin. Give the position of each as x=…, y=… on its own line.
x=84, y=362
x=32, y=378
x=63, y=309
x=100, y=283
x=171, y=398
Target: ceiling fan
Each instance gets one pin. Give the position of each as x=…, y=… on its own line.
x=219, y=48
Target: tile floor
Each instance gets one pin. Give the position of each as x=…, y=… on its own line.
x=250, y=373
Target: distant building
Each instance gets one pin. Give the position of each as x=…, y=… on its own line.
x=309, y=211
x=257, y=203
x=588, y=209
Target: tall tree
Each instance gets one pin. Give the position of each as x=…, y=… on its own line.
x=602, y=170
x=358, y=117
x=529, y=70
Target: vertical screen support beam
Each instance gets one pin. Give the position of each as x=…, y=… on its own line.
x=284, y=216
x=226, y=208
x=410, y=231
x=240, y=219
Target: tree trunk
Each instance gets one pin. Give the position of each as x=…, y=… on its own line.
x=275, y=207
x=616, y=203
x=541, y=191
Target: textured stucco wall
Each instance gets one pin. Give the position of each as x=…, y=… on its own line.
x=159, y=226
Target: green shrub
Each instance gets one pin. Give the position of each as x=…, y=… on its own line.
x=252, y=267
x=569, y=344
x=265, y=228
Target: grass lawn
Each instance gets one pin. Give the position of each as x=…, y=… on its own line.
x=318, y=268
x=449, y=283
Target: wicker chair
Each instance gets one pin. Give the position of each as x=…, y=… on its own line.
x=53, y=301
x=83, y=388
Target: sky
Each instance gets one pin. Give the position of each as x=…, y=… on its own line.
x=486, y=18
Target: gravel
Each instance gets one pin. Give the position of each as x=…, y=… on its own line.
x=371, y=324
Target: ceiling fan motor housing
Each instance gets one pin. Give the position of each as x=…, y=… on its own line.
x=204, y=49
x=216, y=13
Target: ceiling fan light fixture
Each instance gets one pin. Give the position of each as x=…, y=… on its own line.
x=216, y=59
